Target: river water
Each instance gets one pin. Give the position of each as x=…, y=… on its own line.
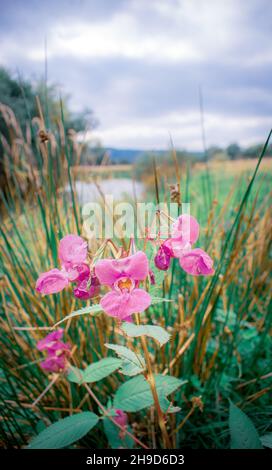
x=119, y=188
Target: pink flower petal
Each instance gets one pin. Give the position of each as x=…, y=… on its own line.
x=129, y=319
x=123, y=304
x=83, y=292
x=78, y=272
x=187, y=228
x=120, y=417
x=134, y=267
x=54, y=363
x=162, y=259
x=197, y=262
x=51, y=282
x=59, y=346
x=177, y=247
x=57, y=351
x=72, y=250
x=50, y=340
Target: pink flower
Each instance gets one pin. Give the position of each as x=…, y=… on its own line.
x=51, y=282
x=72, y=251
x=123, y=276
x=185, y=232
x=197, y=262
x=73, y=254
x=186, y=228
x=87, y=288
x=78, y=272
x=177, y=247
x=162, y=259
x=51, y=342
x=54, y=363
x=57, y=351
x=120, y=418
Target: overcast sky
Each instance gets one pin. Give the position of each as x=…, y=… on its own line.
x=139, y=64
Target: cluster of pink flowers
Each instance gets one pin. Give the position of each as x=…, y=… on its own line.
x=57, y=351
x=73, y=251
x=194, y=261
x=124, y=275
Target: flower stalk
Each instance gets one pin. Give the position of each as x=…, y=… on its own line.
x=108, y=415
x=150, y=378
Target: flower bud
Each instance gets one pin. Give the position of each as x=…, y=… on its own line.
x=163, y=258
x=152, y=277
x=87, y=288
x=120, y=418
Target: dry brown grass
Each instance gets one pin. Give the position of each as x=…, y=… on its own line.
x=235, y=166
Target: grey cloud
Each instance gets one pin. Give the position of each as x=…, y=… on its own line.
x=125, y=90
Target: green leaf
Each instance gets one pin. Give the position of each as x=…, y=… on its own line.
x=75, y=375
x=156, y=332
x=101, y=369
x=40, y=426
x=166, y=405
x=93, y=310
x=114, y=435
x=229, y=318
x=136, y=394
x=266, y=440
x=65, y=431
x=132, y=363
x=242, y=430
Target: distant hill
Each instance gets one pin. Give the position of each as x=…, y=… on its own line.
x=129, y=156
x=123, y=155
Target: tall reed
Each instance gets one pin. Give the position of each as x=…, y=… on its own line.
x=220, y=327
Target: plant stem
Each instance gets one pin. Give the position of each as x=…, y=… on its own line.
x=106, y=413
x=150, y=378
x=183, y=421
x=47, y=388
